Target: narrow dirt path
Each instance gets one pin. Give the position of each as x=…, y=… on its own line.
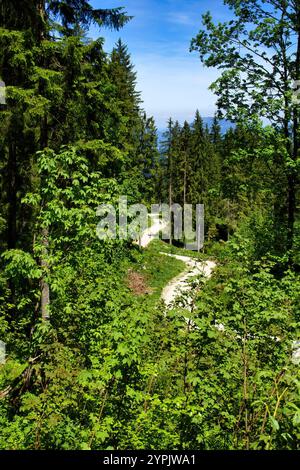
x=151, y=233
x=180, y=286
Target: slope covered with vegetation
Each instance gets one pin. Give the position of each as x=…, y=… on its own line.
x=95, y=360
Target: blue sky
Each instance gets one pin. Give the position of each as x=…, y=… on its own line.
x=173, y=81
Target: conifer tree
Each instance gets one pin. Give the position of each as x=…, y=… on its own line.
x=198, y=149
x=124, y=78
x=47, y=106
x=38, y=16
x=185, y=154
x=168, y=155
x=215, y=132
x=148, y=158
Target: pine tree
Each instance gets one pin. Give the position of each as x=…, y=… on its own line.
x=205, y=167
x=198, y=148
x=124, y=78
x=168, y=155
x=215, y=132
x=148, y=158
x=38, y=16
x=185, y=164
x=46, y=105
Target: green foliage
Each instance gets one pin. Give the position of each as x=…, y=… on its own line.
x=20, y=265
x=256, y=53
x=109, y=366
x=38, y=16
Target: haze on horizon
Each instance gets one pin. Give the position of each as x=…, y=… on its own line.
x=172, y=80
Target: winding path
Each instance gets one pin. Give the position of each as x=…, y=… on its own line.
x=157, y=225
x=180, y=286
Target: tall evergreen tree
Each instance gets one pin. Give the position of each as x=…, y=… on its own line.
x=148, y=158
x=45, y=81
x=124, y=78
x=185, y=144
x=38, y=16
x=215, y=132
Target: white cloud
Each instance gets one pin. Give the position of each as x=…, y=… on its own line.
x=181, y=19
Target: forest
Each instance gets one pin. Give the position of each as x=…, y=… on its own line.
x=94, y=358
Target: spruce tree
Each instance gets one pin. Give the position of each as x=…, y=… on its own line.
x=49, y=83
x=39, y=16
x=185, y=163
x=148, y=158
x=124, y=78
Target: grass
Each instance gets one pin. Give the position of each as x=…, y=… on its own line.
x=157, y=269
x=167, y=248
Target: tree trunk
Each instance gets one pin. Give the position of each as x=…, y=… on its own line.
x=41, y=11
x=185, y=179
x=170, y=195
x=45, y=290
x=12, y=197
x=292, y=178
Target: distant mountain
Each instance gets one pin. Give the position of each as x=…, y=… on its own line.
x=225, y=125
